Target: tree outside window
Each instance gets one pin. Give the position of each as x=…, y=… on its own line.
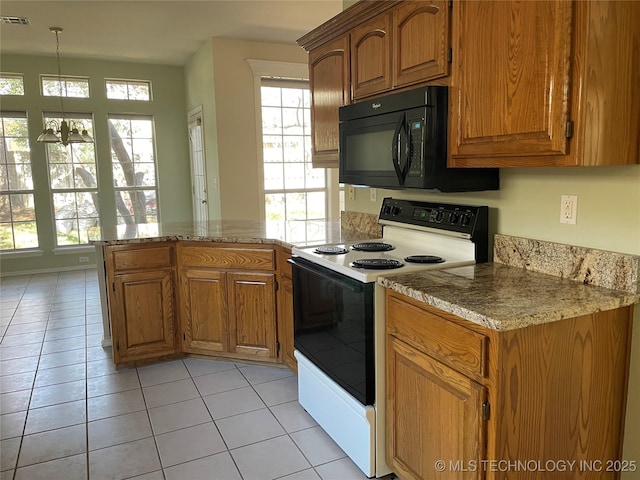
x=296, y=194
x=18, y=228
x=74, y=186
x=134, y=174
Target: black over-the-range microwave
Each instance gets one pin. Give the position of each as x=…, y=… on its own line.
x=400, y=141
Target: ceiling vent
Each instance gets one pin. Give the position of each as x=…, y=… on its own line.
x=15, y=20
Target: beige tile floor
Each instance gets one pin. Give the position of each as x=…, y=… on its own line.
x=66, y=413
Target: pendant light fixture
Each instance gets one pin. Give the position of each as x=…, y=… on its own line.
x=64, y=133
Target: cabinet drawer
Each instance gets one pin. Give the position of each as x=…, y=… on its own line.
x=454, y=345
x=141, y=258
x=220, y=257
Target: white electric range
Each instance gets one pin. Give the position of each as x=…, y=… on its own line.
x=339, y=331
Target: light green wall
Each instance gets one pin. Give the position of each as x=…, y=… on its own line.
x=169, y=112
x=199, y=77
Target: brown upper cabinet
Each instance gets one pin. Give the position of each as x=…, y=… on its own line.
x=545, y=83
x=371, y=57
x=329, y=84
x=420, y=42
x=370, y=48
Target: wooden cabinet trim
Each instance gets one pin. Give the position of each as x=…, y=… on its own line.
x=343, y=22
x=125, y=257
x=454, y=345
x=206, y=256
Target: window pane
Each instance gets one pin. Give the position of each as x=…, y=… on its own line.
x=293, y=121
x=17, y=211
x=133, y=163
x=273, y=176
x=75, y=214
x=295, y=193
x=294, y=176
x=139, y=91
x=65, y=86
x=271, y=96
x=128, y=90
x=74, y=184
x=294, y=149
x=136, y=206
x=116, y=90
x=11, y=85
x=271, y=121
x=272, y=148
x=78, y=89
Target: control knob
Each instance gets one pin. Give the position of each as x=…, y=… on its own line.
x=395, y=210
x=453, y=218
x=465, y=220
x=439, y=216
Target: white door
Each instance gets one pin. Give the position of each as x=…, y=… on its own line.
x=198, y=175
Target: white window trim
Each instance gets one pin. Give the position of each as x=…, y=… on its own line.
x=269, y=69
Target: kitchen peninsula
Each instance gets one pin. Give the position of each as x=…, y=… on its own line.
x=200, y=288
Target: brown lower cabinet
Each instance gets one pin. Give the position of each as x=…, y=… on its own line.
x=141, y=300
x=467, y=402
x=206, y=298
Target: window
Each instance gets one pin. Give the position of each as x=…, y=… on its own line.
x=134, y=173
x=11, y=84
x=18, y=229
x=294, y=190
x=54, y=86
x=128, y=90
x=74, y=185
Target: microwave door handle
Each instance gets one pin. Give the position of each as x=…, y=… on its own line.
x=407, y=151
x=395, y=150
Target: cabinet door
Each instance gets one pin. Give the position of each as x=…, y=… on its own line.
x=204, y=311
x=285, y=323
x=433, y=413
x=330, y=89
x=143, y=315
x=420, y=41
x=510, y=79
x=371, y=56
x=252, y=315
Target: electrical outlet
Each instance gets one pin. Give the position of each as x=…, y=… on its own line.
x=351, y=192
x=83, y=259
x=568, y=209
x=373, y=194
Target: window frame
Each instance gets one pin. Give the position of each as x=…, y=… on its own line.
x=20, y=76
x=23, y=115
x=288, y=71
x=70, y=117
x=65, y=79
x=154, y=226
x=128, y=81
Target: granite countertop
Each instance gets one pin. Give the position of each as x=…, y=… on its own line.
x=298, y=233
x=503, y=297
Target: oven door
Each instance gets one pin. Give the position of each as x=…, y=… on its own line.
x=333, y=326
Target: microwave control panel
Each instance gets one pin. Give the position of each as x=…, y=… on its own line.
x=416, y=136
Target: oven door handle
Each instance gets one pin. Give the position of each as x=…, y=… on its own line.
x=315, y=269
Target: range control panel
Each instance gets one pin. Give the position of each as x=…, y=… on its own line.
x=467, y=220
